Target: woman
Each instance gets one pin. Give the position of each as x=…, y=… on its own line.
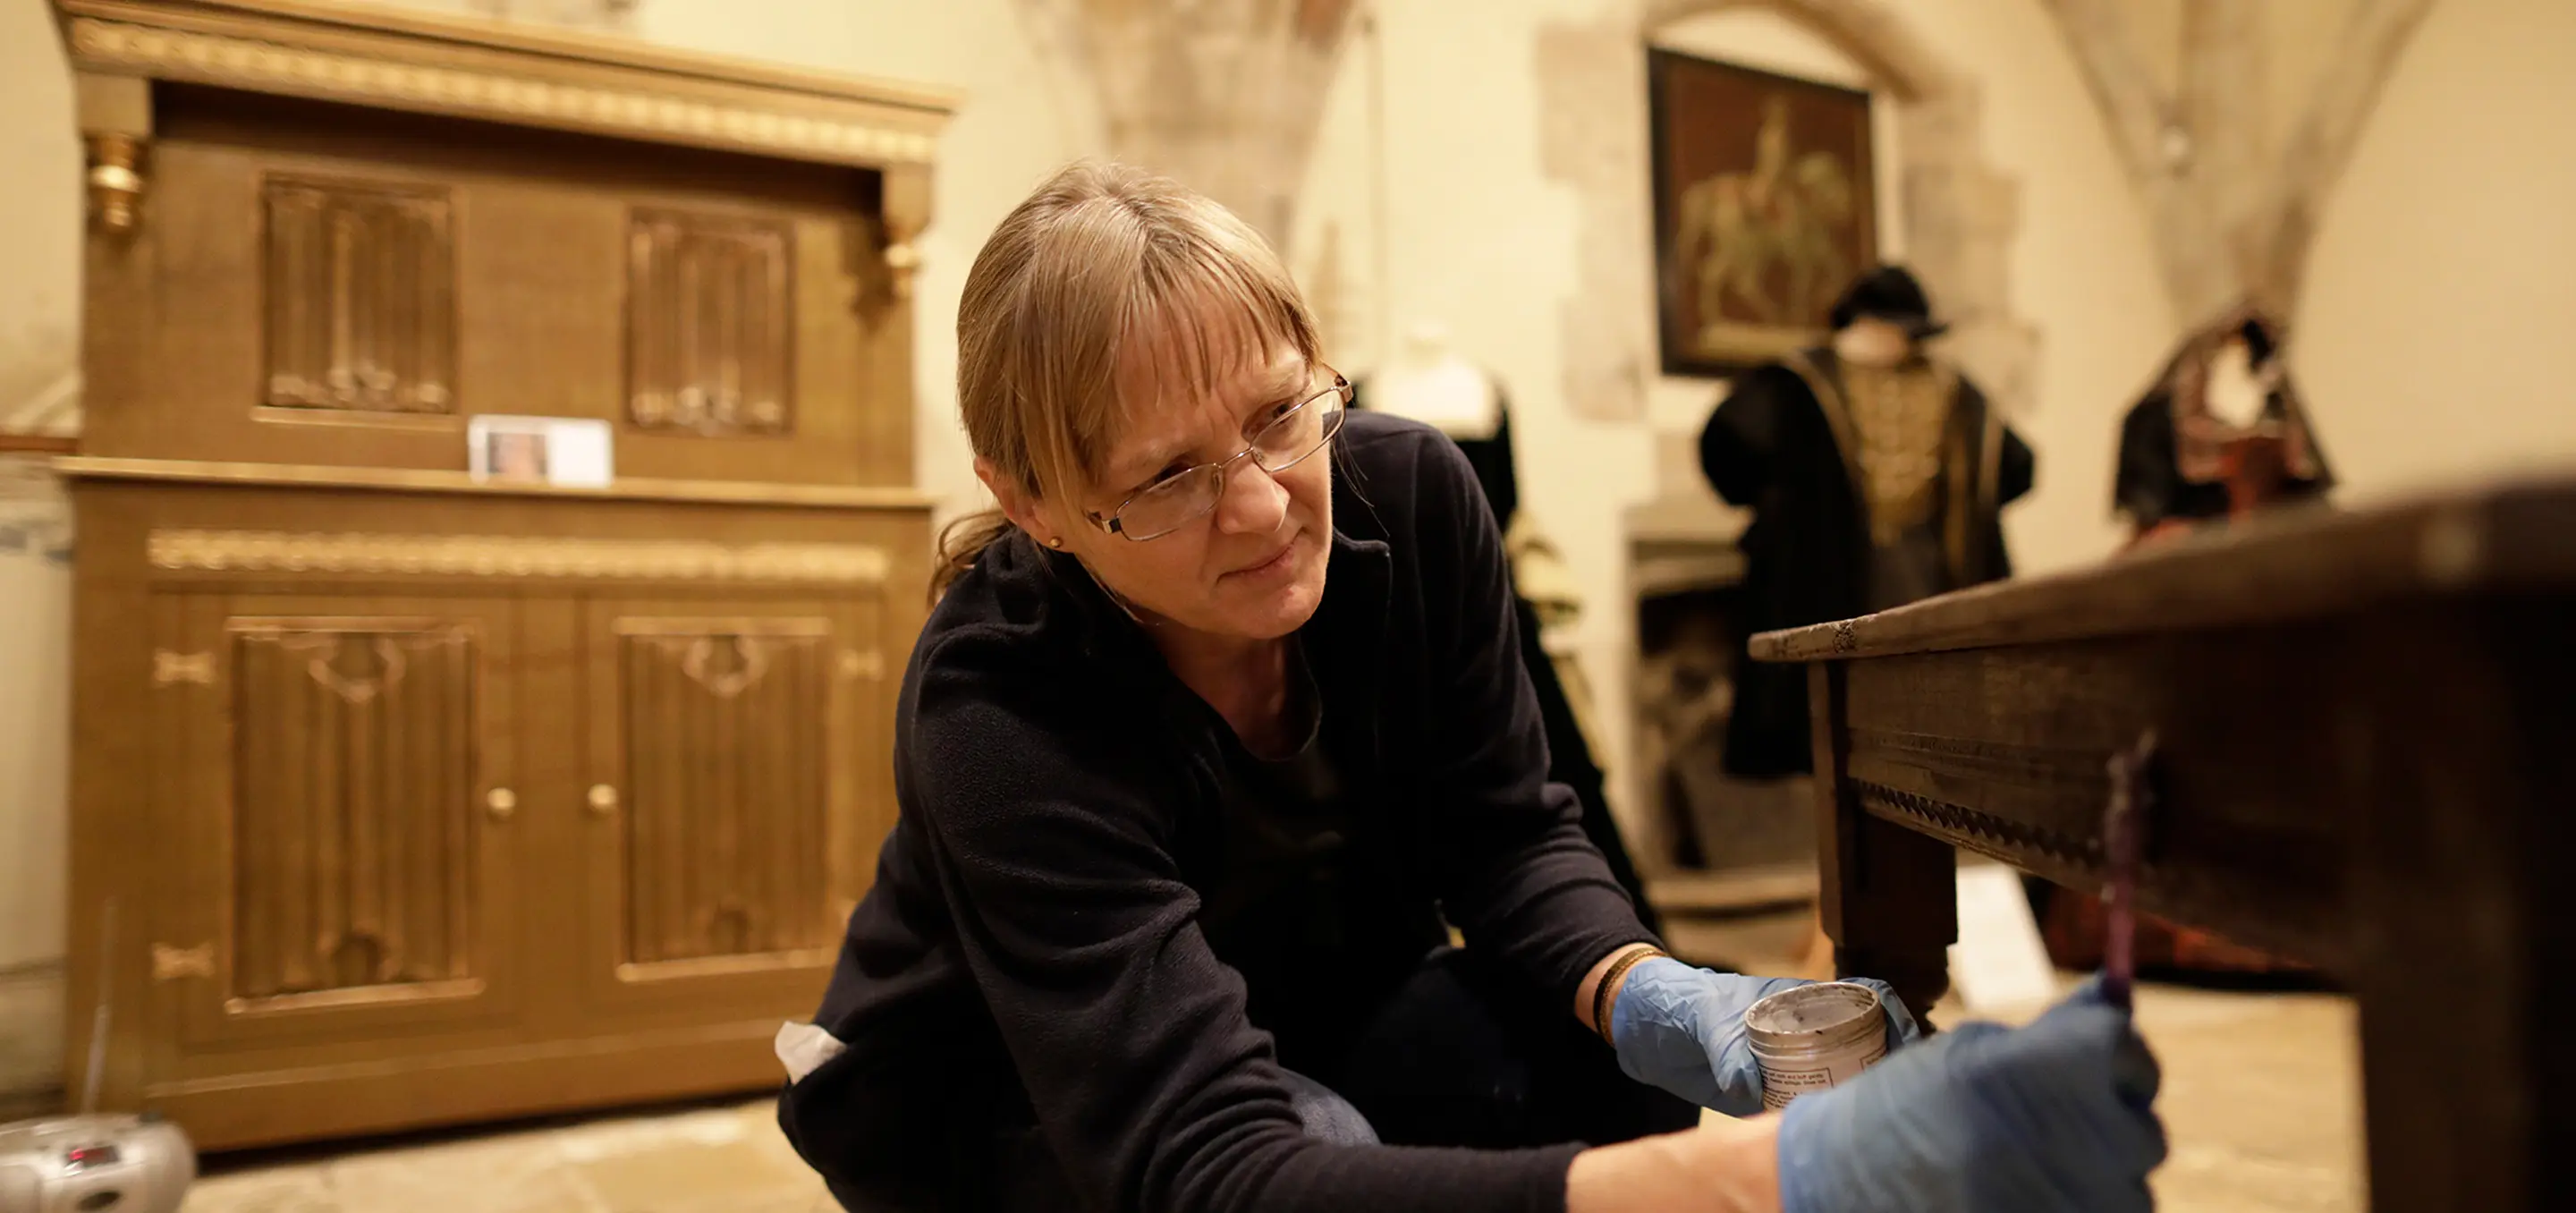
x=1162, y=923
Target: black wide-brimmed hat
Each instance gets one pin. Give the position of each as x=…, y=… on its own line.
x=1890, y=293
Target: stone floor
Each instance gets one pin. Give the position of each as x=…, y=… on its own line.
x=2261, y=1097
x=708, y=1159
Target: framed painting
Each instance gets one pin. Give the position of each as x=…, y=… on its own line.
x=1765, y=209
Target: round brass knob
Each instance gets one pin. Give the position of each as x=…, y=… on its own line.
x=502, y=802
x=603, y=799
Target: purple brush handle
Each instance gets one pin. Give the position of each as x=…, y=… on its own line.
x=2120, y=845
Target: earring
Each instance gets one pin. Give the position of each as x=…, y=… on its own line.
x=1056, y=542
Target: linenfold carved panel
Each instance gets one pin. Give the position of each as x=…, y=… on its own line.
x=726, y=727
x=709, y=313
x=361, y=297
x=355, y=764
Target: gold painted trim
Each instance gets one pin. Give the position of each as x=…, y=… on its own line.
x=115, y=180
x=170, y=963
x=373, y=994
x=431, y=629
x=288, y=475
x=554, y=45
x=677, y=628
x=270, y=414
x=170, y=668
x=285, y=58
x=180, y=550
x=862, y=663
x=646, y=972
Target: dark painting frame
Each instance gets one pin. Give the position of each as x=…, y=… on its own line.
x=1801, y=230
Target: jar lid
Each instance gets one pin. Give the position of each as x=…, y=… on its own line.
x=1826, y=1014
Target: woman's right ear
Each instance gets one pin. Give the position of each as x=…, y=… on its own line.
x=1018, y=504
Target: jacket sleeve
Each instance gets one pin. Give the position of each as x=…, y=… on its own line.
x=1151, y=1087
x=2147, y=482
x=1742, y=437
x=2016, y=469
x=2016, y=465
x=1516, y=872
x=1505, y=494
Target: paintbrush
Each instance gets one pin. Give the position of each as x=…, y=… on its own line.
x=2122, y=825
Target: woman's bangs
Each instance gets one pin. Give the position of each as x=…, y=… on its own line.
x=1195, y=327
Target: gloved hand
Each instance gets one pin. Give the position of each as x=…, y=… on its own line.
x=2056, y=1115
x=1682, y=1029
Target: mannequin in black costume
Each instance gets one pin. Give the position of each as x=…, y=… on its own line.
x=1876, y=476
x=1433, y=385
x=2222, y=433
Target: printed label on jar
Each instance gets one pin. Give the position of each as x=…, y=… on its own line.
x=1782, y=1082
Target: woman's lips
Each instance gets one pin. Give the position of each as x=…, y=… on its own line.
x=1277, y=563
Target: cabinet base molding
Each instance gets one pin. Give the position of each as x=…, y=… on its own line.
x=423, y=1092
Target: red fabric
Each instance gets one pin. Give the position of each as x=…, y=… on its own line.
x=2073, y=931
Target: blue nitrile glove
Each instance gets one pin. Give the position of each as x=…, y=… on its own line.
x=1682, y=1029
x=2056, y=1115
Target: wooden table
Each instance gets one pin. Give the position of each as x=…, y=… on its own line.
x=2365, y=729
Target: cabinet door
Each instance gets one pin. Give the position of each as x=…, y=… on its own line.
x=727, y=744
x=342, y=826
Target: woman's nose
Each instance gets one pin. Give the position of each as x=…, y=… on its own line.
x=1254, y=502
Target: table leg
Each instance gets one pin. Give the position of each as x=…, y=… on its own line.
x=1889, y=896
x=2456, y=775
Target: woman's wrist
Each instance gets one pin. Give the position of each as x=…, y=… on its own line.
x=1598, y=993
x=1724, y=1166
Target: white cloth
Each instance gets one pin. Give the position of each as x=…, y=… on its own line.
x=803, y=1048
x=2236, y=392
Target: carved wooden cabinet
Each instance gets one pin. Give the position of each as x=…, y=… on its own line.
x=402, y=798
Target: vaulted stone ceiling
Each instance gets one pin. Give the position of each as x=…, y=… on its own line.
x=1225, y=95
x=2235, y=120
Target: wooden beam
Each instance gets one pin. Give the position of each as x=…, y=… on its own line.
x=37, y=444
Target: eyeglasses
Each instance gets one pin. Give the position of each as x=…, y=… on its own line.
x=1177, y=500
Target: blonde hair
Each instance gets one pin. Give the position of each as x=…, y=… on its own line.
x=1104, y=264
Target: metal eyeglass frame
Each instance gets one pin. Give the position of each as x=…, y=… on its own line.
x=1341, y=387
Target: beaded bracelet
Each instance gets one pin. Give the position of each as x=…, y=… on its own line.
x=1610, y=982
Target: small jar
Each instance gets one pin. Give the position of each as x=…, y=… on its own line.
x=1811, y=1037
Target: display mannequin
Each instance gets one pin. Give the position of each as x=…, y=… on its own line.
x=2221, y=435
x=1429, y=381
x=1876, y=474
